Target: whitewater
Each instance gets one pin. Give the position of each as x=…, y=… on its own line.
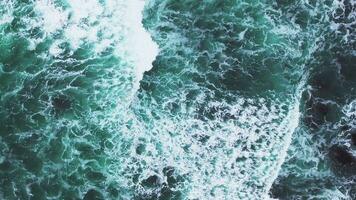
x=149, y=99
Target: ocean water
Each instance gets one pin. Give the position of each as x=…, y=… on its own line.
x=177, y=99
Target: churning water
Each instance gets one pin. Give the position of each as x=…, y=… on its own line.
x=177, y=99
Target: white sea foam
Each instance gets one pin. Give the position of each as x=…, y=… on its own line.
x=118, y=22
x=53, y=18
x=349, y=111
x=139, y=44
x=5, y=12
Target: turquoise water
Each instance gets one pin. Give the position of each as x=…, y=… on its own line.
x=177, y=99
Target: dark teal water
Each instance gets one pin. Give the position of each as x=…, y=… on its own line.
x=249, y=99
x=321, y=161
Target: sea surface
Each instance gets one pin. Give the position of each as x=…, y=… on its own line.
x=178, y=99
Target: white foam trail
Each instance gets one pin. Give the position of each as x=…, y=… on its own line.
x=292, y=120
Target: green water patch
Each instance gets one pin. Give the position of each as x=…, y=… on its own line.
x=321, y=157
x=228, y=74
x=55, y=101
